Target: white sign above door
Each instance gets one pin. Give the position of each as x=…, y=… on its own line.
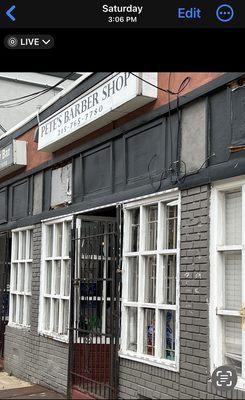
x=114, y=97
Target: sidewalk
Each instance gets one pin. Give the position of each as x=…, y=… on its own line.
x=14, y=388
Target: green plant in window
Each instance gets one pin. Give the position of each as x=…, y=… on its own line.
x=94, y=323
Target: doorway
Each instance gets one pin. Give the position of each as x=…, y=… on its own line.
x=95, y=299
x=5, y=262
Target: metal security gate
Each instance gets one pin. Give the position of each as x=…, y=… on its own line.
x=4, y=286
x=94, y=325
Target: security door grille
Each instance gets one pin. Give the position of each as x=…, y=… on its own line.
x=94, y=333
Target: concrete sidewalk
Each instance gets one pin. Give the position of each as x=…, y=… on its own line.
x=14, y=388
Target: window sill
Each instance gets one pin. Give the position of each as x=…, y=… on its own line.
x=240, y=384
x=55, y=336
x=18, y=326
x=155, y=362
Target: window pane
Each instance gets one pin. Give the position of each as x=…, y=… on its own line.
x=21, y=309
x=21, y=279
x=169, y=279
x=57, y=276
x=135, y=229
x=150, y=279
x=48, y=280
x=233, y=281
x=15, y=246
x=233, y=213
x=233, y=342
x=28, y=310
x=149, y=332
x=56, y=315
x=133, y=272
x=50, y=240
x=65, y=317
x=47, y=305
x=13, y=297
x=168, y=334
x=30, y=246
x=58, y=248
x=14, y=276
x=67, y=270
x=67, y=239
x=28, y=277
x=23, y=245
x=132, y=328
x=151, y=231
x=171, y=225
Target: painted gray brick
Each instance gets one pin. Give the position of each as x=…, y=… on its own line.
x=31, y=356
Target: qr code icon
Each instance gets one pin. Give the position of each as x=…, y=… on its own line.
x=224, y=378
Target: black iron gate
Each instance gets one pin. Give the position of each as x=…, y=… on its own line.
x=4, y=286
x=94, y=327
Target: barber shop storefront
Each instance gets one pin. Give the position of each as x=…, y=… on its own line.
x=104, y=240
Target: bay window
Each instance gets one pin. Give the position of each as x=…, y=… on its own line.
x=150, y=281
x=55, y=278
x=227, y=277
x=21, y=277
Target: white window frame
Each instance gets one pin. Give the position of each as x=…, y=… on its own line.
x=63, y=258
x=15, y=263
x=217, y=227
x=167, y=197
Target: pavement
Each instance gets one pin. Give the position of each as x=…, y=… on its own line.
x=14, y=388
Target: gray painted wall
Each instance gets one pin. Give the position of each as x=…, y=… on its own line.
x=28, y=355
x=193, y=127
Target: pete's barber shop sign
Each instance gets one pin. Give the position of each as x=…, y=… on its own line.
x=112, y=98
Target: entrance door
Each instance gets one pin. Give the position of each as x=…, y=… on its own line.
x=5, y=255
x=95, y=300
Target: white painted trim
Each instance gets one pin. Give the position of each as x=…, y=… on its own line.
x=151, y=198
x=233, y=248
x=240, y=384
x=229, y=183
x=217, y=249
x=62, y=258
x=30, y=227
x=155, y=362
x=228, y=312
x=53, y=336
x=17, y=264
x=18, y=326
x=140, y=305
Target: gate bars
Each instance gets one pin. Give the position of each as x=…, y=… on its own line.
x=95, y=306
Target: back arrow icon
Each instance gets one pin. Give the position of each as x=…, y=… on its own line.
x=9, y=13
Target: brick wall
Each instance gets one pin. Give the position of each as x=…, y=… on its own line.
x=191, y=382
x=31, y=356
x=43, y=360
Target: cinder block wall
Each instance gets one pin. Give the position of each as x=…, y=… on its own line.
x=191, y=382
x=31, y=356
